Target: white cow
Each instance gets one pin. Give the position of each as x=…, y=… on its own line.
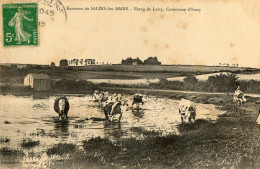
x=187, y=110
x=239, y=97
x=239, y=100
x=96, y=95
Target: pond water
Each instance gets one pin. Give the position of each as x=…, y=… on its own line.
x=125, y=81
x=202, y=77
x=33, y=117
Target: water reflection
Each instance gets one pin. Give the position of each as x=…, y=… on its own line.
x=34, y=117
x=113, y=129
x=86, y=119
x=61, y=126
x=138, y=113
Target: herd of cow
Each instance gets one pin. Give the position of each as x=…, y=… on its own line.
x=114, y=105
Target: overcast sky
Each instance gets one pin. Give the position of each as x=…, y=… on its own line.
x=223, y=31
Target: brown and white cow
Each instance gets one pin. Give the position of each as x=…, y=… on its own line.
x=187, y=110
x=117, y=112
x=61, y=106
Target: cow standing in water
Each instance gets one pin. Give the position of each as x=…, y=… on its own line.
x=114, y=108
x=103, y=97
x=61, y=106
x=187, y=110
x=96, y=95
x=138, y=100
x=100, y=97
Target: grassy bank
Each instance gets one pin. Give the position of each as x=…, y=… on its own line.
x=72, y=86
x=217, y=83
x=15, y=89
x=60, y=87
x=201, y=145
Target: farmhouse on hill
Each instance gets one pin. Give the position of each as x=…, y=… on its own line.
x=39, y=82
x=137, y=61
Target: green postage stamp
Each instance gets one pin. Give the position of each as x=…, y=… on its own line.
x=20, y=24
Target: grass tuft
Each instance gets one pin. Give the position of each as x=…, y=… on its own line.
x=10, y=152
x=28, y=143
x=4, y=140
x=61, y=148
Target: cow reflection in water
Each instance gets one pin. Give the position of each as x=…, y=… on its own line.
x=138, y=113
x=113, y=130
x=61, y=129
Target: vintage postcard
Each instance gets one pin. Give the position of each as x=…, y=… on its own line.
x=130, y=84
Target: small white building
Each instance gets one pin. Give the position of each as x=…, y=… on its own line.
x=39, y=82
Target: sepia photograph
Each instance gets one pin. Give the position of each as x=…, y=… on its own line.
x=130, y=84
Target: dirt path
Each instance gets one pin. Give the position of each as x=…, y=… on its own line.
x=176, y=91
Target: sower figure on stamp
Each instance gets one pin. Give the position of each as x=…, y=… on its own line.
x=17, y=21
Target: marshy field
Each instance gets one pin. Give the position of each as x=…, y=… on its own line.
x=16, y=75
x=223, y=135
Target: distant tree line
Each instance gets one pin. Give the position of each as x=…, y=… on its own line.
x=137, y=61
x=23, y=67
x=80, y=62
x=127, y=61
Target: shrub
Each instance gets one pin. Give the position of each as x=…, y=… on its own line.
x=251, y=86
x=72, y=85
x=190, y=80
x=223, y=82
x=61, y=149
x=11, y=152
x=4, y=140
x=190, y=83
x=28, y=143
x=165, y=84
x=11, y=88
